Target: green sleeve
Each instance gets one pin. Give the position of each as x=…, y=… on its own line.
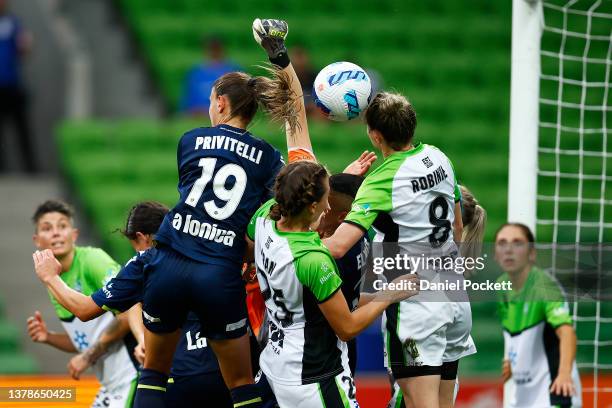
x=318, y=272
x=458, y=196
x=263, y=211
x=100, y=268
x=557, y=313
x=373, y=197
x=556, y=308
x=502, y=310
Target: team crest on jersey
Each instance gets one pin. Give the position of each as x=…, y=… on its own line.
x=427, y=162
x=561, y=310
x=365, y=208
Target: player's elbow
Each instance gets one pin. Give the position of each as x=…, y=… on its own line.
x=336, y=249
x=345, y=333
x=84, y=316
x=346, y=337
x=566, y=331
x=88, y=314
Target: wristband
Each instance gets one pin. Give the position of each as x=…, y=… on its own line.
x=282, y=60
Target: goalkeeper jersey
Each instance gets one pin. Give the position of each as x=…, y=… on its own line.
x=90, y=270
x=529, y=318
x=296, y=272
x=409, y=198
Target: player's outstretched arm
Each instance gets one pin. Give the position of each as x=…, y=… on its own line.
x=271, y=35
x=365, y=298
x=134, y=316
x=363, y=163
x=347, y=324
x=563, y=384
x=458, y=224
x=48, y=269
x=343, y=239
x=37, y=330
x=506, y=370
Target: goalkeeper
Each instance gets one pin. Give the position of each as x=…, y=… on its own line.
x=539, y=367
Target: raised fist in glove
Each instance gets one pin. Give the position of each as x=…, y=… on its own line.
x=271, y=34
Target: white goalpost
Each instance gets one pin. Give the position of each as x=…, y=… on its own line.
x=559, y=169
x=524, y=111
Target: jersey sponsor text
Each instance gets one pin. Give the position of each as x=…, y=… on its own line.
x=195, y=342
x=203, y=230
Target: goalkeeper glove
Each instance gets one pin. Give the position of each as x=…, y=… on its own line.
x=271, y=34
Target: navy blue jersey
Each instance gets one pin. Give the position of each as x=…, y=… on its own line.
x=193, y=355
x=225, y=174
x=350, y=267
x=126, y=289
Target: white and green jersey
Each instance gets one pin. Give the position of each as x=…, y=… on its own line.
x=529, y=318
x=91, y=269
x=296, y=272
x=411, y=196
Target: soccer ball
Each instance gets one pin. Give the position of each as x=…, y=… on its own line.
x=342, y=91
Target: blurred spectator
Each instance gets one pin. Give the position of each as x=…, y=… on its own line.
x=200, y=79
x=307, y=75
x=375, y=78
x=15, y=43
x=303, y=68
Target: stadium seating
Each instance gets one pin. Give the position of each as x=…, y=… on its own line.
x=450, y=59
x=12, y=359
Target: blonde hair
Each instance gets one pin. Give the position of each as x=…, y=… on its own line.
x=246, y=93
x=474, y=219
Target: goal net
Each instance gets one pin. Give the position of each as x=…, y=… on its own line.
x=560, y=168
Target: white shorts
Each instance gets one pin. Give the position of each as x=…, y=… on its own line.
x=333, y=392
x=120, y=396
x=420, y=336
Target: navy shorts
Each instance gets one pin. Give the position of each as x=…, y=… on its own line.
x=202, y=390
x=175, y=285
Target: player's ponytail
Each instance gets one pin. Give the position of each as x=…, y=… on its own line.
x=277, y=98
x=298, y=185
x=144, y=217
x=474, y=219
x=247, y=93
